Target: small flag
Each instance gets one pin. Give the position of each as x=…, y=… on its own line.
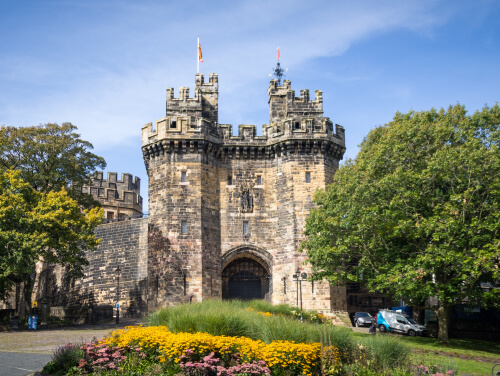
x=278, y=53
x=200, y=56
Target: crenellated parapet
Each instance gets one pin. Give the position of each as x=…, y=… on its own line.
x=284, y=105
x=119, y=197
x=203, y=105
x=297, y=125
x=127, y=182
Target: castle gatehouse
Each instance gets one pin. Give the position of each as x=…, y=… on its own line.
x=227, y=212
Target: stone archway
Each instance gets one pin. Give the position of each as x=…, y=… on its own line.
x=246, y=274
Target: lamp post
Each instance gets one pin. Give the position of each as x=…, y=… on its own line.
x=296, y=277
x=299, y=277
x=118, y=271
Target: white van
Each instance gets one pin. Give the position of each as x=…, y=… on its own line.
x=397, y=322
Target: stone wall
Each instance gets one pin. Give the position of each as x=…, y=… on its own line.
x=123, y=244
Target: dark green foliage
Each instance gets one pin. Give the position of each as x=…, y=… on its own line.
x=417, y=213
x=50, y=157
x=65, y=358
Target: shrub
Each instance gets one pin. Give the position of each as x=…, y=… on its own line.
x=387, y=352
x=210, y=365
x=341, y=338
x=436, y=370
x=64, y=359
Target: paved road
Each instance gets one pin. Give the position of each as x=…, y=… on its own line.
x=25, y=352
x=21, y=364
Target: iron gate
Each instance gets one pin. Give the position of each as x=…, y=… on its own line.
x=245, y=279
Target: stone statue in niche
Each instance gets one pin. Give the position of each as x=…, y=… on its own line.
x=246, y=201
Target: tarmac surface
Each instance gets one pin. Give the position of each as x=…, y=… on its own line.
x=27, y=351
x=20, y=364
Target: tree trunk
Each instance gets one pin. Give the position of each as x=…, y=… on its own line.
x=419, y=313
x=25, y=298
x=443, y=315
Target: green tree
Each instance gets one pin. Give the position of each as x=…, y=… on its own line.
x=41, y=226
x=417, y=213
x=50, y=157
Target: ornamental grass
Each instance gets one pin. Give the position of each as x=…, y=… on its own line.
x=257, y=319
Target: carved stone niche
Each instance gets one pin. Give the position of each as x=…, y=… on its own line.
x=246, y=200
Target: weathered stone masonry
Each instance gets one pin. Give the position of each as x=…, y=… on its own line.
x=119, y=198
x=226, y=210
x=124, y=243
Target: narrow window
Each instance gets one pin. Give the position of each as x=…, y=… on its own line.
x=173, y=124
x=259, y=180
x=296, y=125
x=183, y=177
x=184, y=227
x=308, y=177
x=229, y=180
x=245, y=227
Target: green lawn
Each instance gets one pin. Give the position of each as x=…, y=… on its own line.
x=462, y=366
x=468, y=356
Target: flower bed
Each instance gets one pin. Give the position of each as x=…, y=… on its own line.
x=295, y=358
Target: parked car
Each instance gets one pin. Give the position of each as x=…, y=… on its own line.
x=392, y=321
x=363, y=319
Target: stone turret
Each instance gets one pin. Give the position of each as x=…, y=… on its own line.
x=193, y=123
x=120, y=198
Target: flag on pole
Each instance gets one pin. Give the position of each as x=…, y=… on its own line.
x=200, y=56
x=278, y=53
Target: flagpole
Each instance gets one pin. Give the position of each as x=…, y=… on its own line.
x=198, y=57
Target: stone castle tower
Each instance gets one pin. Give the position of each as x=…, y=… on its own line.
x=226, y=212
x=119, y=198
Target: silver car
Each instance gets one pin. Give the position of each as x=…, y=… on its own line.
x=363, y=319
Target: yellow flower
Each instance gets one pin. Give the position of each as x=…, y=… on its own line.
x=303, y=357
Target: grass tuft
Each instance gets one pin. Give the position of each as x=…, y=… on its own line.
x=387, y=351
x=237, y=318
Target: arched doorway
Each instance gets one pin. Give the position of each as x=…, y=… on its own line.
x=245, y=278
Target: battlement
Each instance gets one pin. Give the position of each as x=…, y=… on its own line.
x=204, y=105
x=127, y=182
x=119, y=197
x=284, y=104
x=191, y=122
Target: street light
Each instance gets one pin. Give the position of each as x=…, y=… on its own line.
x=299, y=278
x=118, y=271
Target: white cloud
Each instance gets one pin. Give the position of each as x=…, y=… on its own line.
x=109, y=72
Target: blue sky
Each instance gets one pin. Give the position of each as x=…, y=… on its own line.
x=104, y=65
